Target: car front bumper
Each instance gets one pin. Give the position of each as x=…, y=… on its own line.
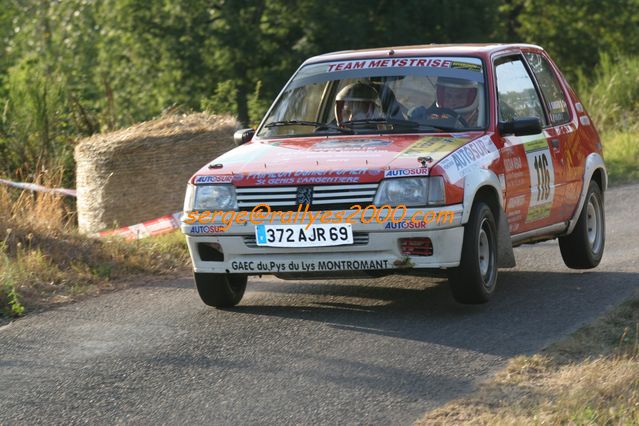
x=376, y=248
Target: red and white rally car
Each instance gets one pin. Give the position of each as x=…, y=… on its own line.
x=491, y=135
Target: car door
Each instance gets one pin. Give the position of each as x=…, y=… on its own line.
x=531, y=166
x=561, y=131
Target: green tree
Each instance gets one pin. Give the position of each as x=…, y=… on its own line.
x=40, y=75
x=332, y=25
x=576, y=31
x=150, y=58
x=252, y=48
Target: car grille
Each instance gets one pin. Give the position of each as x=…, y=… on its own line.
x=324, y=197
x=359, y=239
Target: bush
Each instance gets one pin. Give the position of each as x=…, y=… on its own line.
x=36, y=129
x=612, y=99
x=612, y=96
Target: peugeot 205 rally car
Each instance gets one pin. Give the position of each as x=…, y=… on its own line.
x=491, y=136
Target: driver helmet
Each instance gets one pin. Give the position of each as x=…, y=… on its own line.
x=358, y=101
x=457, y=94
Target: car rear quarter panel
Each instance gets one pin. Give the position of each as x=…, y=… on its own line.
x=585, y=142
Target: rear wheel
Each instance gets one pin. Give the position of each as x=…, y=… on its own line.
x=584, y=247
x=473, y=281
x=220, y=290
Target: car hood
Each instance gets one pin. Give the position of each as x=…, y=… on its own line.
x=342, y=159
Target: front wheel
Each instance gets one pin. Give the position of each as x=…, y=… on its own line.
x=584, y=247
x=473, y=281
x=220, y=290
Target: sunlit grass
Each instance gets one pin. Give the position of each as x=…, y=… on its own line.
x=592, y=377
x=44, y=260
x=612, y=95
x=621, y=154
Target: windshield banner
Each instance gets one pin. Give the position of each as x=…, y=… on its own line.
x=402, y=63
x=458, y=67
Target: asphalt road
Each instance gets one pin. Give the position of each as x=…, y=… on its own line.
x=365, y=351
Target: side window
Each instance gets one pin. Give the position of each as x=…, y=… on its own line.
x=516, y=94
x=553, y=95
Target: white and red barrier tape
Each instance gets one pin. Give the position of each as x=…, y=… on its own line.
x=160, y=225
x=157, y=226
x=39, y=188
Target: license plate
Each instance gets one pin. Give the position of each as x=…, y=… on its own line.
x=298, y=236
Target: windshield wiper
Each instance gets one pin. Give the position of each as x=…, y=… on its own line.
x=391, y=121
x=441, y=128
x=405, y=123
x=316, y=124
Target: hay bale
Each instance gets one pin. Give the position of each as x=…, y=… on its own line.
x=140, y=173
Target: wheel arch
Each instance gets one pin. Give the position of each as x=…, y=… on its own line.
x=485, y=185
x=599, y=176
x=595, y=169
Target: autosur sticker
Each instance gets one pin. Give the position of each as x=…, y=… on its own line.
x=421, y=171
x=213, y=179
x=477, y=153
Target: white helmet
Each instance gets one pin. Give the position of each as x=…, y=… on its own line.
x=356, y=101
x=458, y=94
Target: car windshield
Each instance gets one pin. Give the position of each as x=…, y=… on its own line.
x=405, y=95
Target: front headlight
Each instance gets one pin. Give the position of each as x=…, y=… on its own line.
x=210, y=197
x=411, y=192
x=189, y=197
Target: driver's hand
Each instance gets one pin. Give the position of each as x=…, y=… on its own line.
x=440, y=116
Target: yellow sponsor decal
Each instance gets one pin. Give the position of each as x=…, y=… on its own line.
x=536, y=144
x=465, y=66
x=435, y=146
x=538, y=212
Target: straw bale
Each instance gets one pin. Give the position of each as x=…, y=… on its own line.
x=140, y=173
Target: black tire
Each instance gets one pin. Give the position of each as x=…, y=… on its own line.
x=474, y=280
x=584, y=246
x=220, y=290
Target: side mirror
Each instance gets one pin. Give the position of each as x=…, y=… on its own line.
x=242, y=136
x=520, y=126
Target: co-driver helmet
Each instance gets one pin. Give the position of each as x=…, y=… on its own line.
x=458, y=94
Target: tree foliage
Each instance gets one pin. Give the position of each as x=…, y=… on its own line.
x=70, y=68
x=575, y=32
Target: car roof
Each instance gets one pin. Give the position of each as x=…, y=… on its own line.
x=470, y=49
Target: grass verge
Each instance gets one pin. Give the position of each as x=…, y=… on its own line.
x=592, y=377
x=44, y=261
x=621, y=154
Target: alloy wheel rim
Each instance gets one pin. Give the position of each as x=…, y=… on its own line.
x=484, y=251
x=593, y=223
